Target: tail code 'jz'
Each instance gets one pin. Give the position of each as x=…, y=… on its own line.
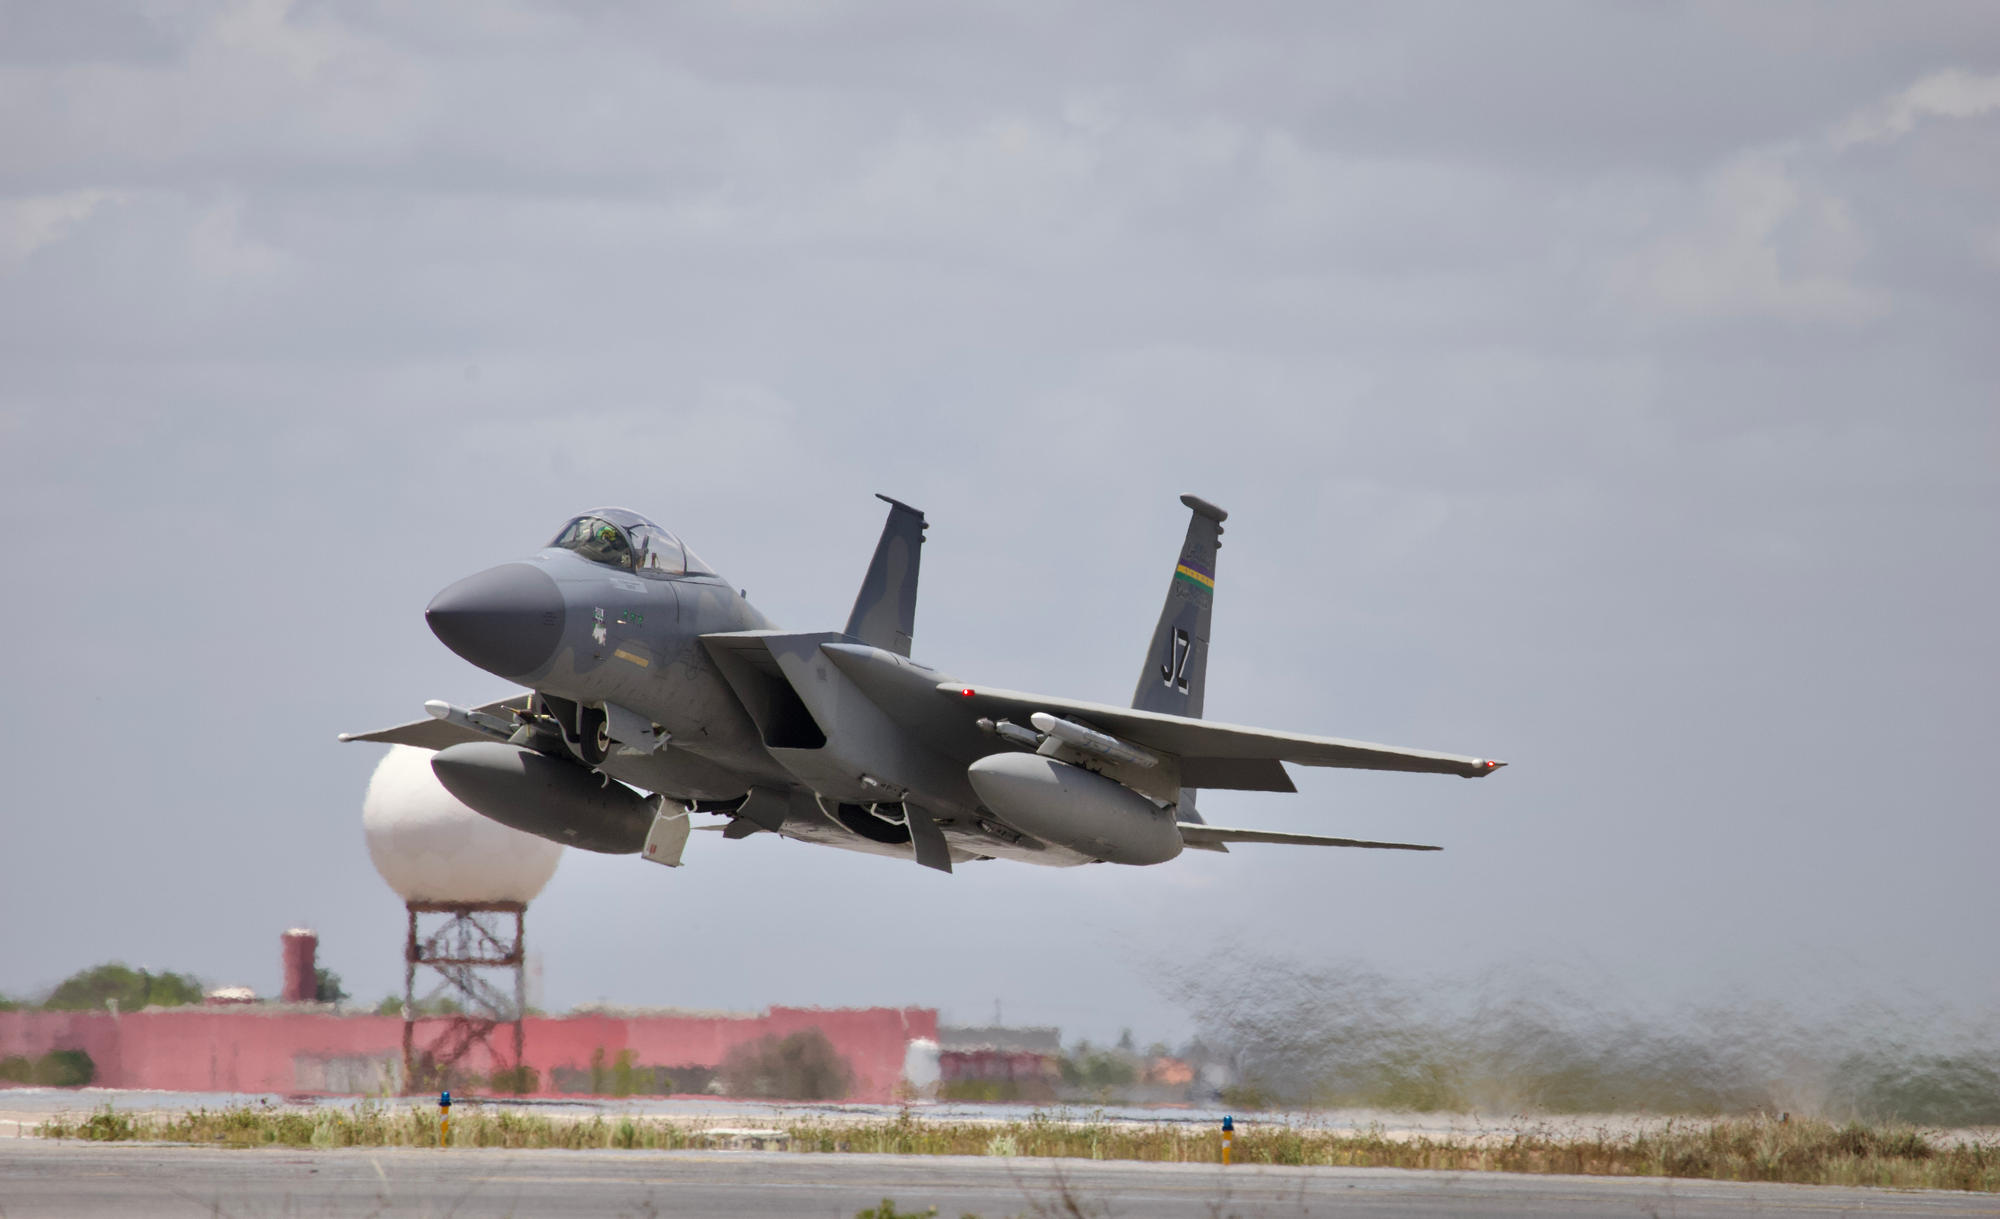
x=1174, y=671
x=1177, y=659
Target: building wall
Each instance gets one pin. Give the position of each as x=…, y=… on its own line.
x=287, y=1050
x=33, y=1034
x=955, y=1066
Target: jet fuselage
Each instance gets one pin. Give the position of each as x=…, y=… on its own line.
x=647, y=667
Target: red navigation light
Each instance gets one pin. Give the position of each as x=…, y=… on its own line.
x=966, y=693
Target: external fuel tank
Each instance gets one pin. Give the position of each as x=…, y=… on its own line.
x=1072, y=807
x=553, y=798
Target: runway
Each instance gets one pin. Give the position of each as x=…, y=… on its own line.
x=84, y=1181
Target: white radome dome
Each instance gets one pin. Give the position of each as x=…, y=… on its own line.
x=431, y=848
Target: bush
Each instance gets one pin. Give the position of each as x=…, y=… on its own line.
x=802, y=1066
x=65, y=1069
x=515, y=1081
x=107, y=1126
x=93, y=988
x=641, y=1079
x=998, y=1091
x=1098, y=1070
x=888, y=1211
x=56, y=1069
x=436, y=1005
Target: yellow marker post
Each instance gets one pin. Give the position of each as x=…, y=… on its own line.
x=444, y=1119
x=1228, y=1139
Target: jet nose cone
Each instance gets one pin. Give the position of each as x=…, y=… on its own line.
x=508, y=619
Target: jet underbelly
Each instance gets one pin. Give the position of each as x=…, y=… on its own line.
x=811, y=821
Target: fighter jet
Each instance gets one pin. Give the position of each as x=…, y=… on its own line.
x=657, y=694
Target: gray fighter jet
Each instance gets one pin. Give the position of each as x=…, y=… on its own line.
x=646, y=667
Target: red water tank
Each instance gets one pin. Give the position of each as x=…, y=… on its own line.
x=301, y=981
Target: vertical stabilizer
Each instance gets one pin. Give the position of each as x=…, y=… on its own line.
x=1175, y=676
x=1177, y=663
x=885, y=611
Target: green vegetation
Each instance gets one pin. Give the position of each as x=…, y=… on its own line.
x=1101, y=1071
x=506, y=1081
x=370, y=1124
x=326, y=986
x=887, y=1210
x=392, y=1005
x=55, y=1069
x=625, y=1075
x=801, y=1066
x=515, y=1081
x=1734, y=1149
x=998, y=1091
x=133, y=989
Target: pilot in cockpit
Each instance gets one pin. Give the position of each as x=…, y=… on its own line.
x=626, y=540
x=598, y=540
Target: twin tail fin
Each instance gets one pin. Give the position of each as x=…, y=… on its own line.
x=1175, y=676
x=885, y=611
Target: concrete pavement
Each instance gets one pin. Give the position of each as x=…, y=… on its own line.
x=41, y=1179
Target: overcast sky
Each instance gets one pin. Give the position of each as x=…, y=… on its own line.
x=1607, y=388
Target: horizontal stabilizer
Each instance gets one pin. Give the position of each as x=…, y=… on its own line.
x=1203, y=836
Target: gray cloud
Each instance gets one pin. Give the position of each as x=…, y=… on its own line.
x=1607, y=388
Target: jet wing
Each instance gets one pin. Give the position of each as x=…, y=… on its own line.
x=1212, y=754
x=437, y=734
x=1212, y=837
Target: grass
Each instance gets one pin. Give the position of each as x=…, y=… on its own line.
x=1803, y=1152
x=888, y=1211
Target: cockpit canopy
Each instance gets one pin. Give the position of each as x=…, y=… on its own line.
x=629, y=542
